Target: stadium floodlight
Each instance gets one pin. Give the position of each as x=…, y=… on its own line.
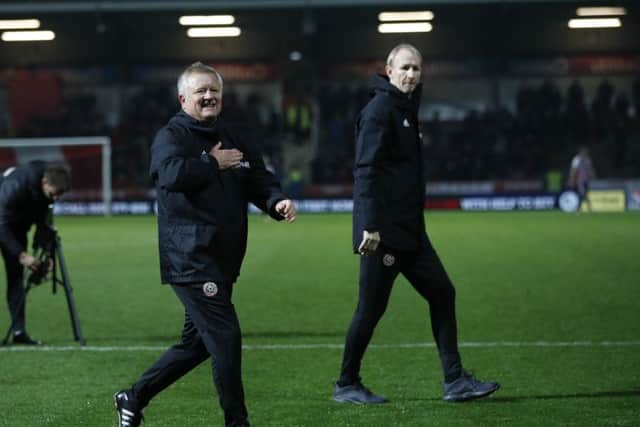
x=19, y=24
x=103, y=141
x=214, y=32
x=421, y=15
x=405, y=27
x=194, y=20
x=27, y=36
x=579, y=23
x=601, y=11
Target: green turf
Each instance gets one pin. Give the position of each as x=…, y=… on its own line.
x=521, y=278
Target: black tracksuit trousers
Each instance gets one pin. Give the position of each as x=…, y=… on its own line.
x=211, y=330
x=16, y=296
x=427, y=275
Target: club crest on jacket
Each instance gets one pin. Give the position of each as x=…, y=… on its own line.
x=210, y=289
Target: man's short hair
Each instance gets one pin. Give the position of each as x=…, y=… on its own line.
x=398, y=48
x=58, y=177
x=196, y=67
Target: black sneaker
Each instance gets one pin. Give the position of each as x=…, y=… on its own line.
x=129, y=415
x=24, y=339
x=357, y=393
x=467, y=388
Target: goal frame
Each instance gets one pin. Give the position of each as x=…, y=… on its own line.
x=103, y=141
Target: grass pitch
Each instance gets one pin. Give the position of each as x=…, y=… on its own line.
x=548, y=305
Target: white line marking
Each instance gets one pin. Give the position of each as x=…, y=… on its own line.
x=483, y=344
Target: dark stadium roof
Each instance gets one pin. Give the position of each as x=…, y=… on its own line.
x=119, y=32
x=67, y=6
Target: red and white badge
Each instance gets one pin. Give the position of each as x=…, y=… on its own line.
x=210, y=289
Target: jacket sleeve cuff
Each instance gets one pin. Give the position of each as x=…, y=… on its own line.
x=271, y=205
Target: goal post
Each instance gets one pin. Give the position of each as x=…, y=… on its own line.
x=103, y=141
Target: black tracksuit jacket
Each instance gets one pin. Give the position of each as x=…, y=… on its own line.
x=389, y=183
x=202, y=210
x=22, y=204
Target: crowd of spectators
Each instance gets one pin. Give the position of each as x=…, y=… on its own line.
x=310, y=139
x=540, y=135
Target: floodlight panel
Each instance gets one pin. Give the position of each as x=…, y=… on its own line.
x=19, y=24
x=214, y=32
x=420, y=15
x=579, y=23
x=405, y=27
x=195, y=20
x=27, y=36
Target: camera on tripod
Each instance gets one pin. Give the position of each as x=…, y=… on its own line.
x=38, y=275
x=44, y=242
x=47, y=248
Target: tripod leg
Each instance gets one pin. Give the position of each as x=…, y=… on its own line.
x=68, y=291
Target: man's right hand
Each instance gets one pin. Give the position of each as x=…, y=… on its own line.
x=370, y=242
x=29, y=261
x=226, y=158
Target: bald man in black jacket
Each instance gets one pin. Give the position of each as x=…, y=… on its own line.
x=26, y=192
x=389, y=230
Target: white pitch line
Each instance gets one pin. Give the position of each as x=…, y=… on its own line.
x=479, y=344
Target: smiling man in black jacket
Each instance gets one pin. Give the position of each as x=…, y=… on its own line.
x=26, y=192
x=389, y=230
x=205, y=177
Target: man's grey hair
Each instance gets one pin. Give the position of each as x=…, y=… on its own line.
x=196, y=67
x=398, y=48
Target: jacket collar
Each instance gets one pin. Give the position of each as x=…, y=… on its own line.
x=379, y=83
x=208, y=128
x=34, y=179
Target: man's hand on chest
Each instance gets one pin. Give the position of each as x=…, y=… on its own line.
x=226, y=158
